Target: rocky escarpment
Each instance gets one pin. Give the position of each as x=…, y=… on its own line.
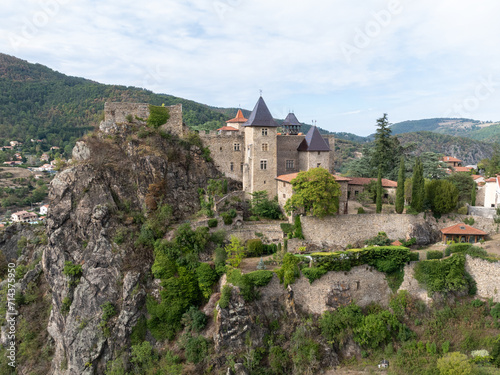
x=93, y=263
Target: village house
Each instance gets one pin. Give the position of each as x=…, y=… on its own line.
x=44, y=209
x=490, y=192
x=44, y=157
x=24, y=217
x=451, y=162
x=357, y=185
x=462, y=233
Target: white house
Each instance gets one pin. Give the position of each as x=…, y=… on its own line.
x=492, y=192
x=44, y=209
x=24, y=217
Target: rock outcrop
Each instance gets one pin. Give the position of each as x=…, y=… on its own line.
x=110, y=186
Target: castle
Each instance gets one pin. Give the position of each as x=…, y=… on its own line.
x=253, y=152
x=250, y=150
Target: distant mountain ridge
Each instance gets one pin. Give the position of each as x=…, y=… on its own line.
x=460, y=127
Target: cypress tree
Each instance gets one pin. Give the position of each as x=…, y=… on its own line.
x=400, y=191
x=418, y=192
x=473, y=195
x=379, y=191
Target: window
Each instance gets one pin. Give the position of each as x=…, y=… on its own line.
x=289, y=164
x=284, y=184
x=232, y=166
x=356, y=192
x=318, y=165
x=319, y=153
x=264, y=132
x=263, y=164
x=221, y=149
x=265, y=147
x=284, y=195
x=236, y=147
x=241, y=167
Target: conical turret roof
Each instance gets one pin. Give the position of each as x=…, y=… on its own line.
x=313, y=141
x=238, y=119
x=261, y=116
x=291, y=119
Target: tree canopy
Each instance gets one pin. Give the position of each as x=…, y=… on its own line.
x=315, y=192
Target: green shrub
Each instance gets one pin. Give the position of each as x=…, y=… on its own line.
x=74, y=272
x=286, y=228
x=298, y=228
x=477, y=303
x=66, y=305
x=225, y=296
x=139, y=331
x=414, y=256
x=386, y=257
x=289, y=270
x=495, y=311
x=459, y=247
x=194, y=320
x=462, y=210
x=380, y=239
x=206, y=278
x=260, y=277
x=442, y=275
x=269, y=249
x=313, y=273
x=434, y=254
x=361, y=210
x=157, y=116
x=212, y=223
x=254, y=248
x=196, y=348
x=227, y=218
x=220, y=257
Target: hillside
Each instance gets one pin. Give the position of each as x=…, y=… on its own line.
x=468, y=150
x=460, y=127
x=38, y=102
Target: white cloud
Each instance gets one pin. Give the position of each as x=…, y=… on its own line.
x=418, y=62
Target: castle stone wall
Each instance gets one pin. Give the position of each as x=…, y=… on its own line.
x=222, y=151
x=117, y=112
x=339, y=231
x=287, y=150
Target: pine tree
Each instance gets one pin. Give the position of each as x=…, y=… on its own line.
x=400, y=191
x=379, y=191
x=418, y=192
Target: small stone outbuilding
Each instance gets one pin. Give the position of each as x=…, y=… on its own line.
x=463, y=233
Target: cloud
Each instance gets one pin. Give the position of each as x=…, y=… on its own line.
x=410, y=59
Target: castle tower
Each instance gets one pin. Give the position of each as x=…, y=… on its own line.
x=291, y=126
x=314, y=151
x=260, y=168
x=238, y=121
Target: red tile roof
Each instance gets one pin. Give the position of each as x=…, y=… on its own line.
x=476, y=176
x=491, y=179
x=462, y=169
x=239, y=118
x=289, y=177
x=228, y=128
x=451, y=158
x=462, y=228
x=365, y=181
x=396, y=243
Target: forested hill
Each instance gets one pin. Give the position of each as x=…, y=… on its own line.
x=460, y=127
x=38, y=102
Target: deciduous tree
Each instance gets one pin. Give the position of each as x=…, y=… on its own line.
x=315, y=192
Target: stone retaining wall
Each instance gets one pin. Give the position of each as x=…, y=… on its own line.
x=487, y=276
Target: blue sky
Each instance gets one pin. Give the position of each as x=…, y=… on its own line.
x=341, y=63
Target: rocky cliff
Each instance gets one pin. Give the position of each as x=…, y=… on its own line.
x=93, y=262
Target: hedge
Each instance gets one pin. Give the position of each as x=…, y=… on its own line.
x=458, y=247
x=313, y=273
x=383, y=258
x=255, y=248
x=434, y=254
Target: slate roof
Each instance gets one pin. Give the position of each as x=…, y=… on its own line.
x=313, y=141
x=238, y=119
x=461, y=228
x=261, y=116
x=291, y=119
